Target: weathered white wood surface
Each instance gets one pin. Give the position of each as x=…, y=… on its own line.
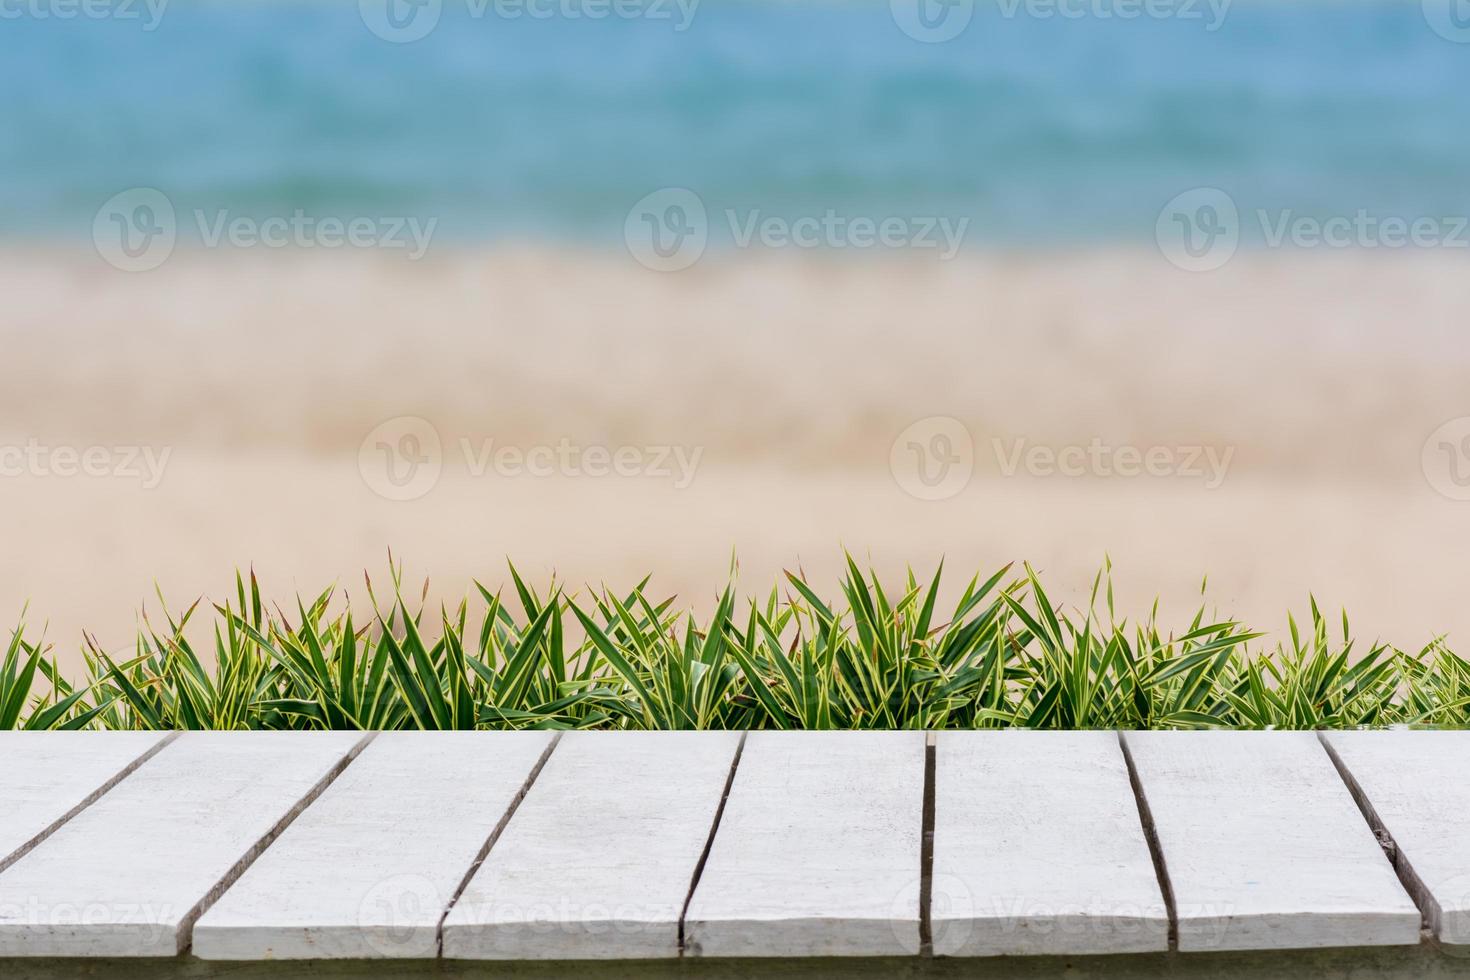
x=1417, y=785
x=47, y=777
x=1039, y=849
x=818, y=852
x=368, y=870
x=598, y=860
x=127, y=875
x=1264, y=846
x=1038, y=846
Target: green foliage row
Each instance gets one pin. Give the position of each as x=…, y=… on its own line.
x=1005, y=656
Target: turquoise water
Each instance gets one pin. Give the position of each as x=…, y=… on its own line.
x=1037, y=130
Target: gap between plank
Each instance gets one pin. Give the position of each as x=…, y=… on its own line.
x=92, y=797
x=926, y=848
x=1151, y=835
x=709, y=842
x=1408, y=877
x=186, y=927
x=515, y=805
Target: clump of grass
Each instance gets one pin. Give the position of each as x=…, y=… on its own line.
x=881, y=656
x=61, y=706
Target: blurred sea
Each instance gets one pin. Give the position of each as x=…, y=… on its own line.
x=1039, y=130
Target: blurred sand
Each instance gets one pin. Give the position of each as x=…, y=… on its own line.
x=261, y=376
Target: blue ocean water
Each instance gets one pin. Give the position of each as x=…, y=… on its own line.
x=1038, y=129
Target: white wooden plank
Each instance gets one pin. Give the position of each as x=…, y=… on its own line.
x=370, y=868
x=598, y=860
x=1264, y=846
x=1039, y=849
x=818, y=851
x=1417, y=785
x=127, y=875
x=47, y=777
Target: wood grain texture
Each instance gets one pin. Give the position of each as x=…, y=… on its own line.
x=1417, y=786
x=598, y=860
x=1264, y=846
x=48, y=777
x=818, y=852
x=1039, y=849
x=369, y=869
x=129, y=874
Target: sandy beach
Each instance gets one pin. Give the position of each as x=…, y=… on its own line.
x=1265, y=425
